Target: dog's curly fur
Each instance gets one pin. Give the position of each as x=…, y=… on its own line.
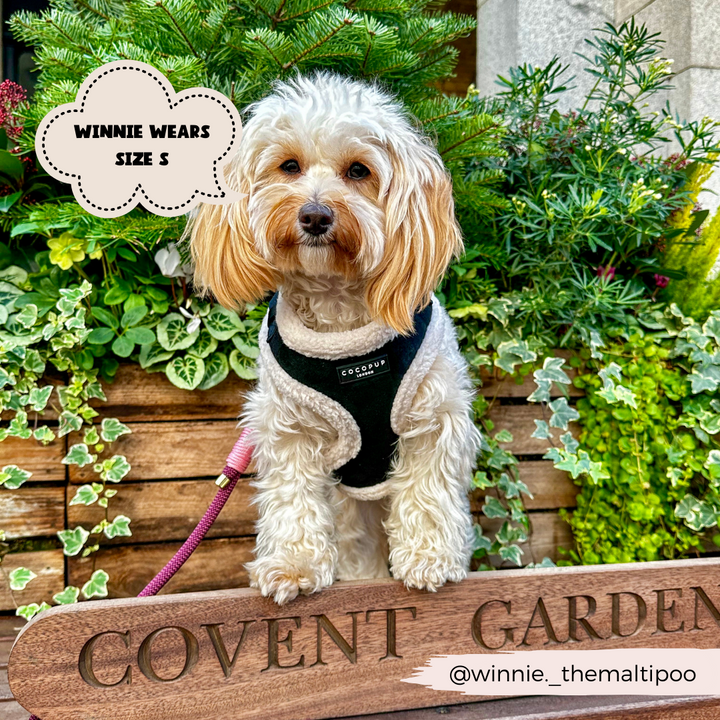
x=392, y=237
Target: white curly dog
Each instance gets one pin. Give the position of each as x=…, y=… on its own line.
x=347, y=214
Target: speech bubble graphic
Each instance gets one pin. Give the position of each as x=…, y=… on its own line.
x=129, y=138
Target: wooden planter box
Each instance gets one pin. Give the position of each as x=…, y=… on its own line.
x=178, y=445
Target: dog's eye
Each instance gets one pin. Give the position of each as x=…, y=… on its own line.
x=291, y=167
x=357, y=171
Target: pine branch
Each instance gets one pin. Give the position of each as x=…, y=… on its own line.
x=89, y=7
x=258, y=39
x=162, y=6
x=305, y=12
x=468, y=138
x=346, y=22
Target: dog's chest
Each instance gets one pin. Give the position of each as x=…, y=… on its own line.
x=364, y=385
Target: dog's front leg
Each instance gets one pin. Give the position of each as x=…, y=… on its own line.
x=294, y=551
x=429, y=527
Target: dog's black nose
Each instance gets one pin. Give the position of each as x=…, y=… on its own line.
x=315, y=219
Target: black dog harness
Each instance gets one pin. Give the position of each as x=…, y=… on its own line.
x=365, y=385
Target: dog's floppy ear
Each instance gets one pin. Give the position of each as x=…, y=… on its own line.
x=421, y=234
x=226, y=261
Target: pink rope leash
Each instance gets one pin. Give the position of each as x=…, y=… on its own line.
x=235, y=465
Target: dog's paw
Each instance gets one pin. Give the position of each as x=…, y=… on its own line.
x=283, y=578
x=426, y=570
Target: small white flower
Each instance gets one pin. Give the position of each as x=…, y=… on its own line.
x=658, y=196
x=622, y=151
x=170, y=263
x=588, y=148
x=195, y=320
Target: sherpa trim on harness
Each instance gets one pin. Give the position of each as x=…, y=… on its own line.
x=361, y=381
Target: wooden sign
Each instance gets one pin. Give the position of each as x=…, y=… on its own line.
x=344, y=651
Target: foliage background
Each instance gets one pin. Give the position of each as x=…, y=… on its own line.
x=581, y=233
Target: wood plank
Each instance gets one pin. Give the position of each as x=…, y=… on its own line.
x=169, y=510
x=216, y=564
x=551, y=488
x=331, y=669
x=519, y=420
x=165, y=450
x=192, y=449
x=137, y=395
x=43, y=461
x=32, y=511
x=48, y=565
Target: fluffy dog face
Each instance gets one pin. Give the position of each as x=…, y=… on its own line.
x=335, y=182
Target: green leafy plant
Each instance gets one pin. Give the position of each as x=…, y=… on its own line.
x=37, y=340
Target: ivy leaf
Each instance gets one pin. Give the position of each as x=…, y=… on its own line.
x=504, y=436
x=96, y=586
x=91, y=436
x=30, y=611
x=697, y=514
x=119, y=527
x=115, y=469
x=562, y=414
x=6, y=378
x=68, y=596
x=69, y=422
x=493, y=508
x=20, y=577
x=27, y=317
x=542, y=431
x=39, y=397
x=712, y=326
x=84, y=495
x=185, y=372
x=511, y=553
x=482, y=481
x=111, y=429
x=552, y=371
x=546, y=562
x=541, y=392
x=34, y=362
x=216, y=370
x=73, y=540
x=44, y=434
x=705, y=378
x=570, y=443
x=12, y=477
x=79, y=456
x=172, y=333
x=222, y=323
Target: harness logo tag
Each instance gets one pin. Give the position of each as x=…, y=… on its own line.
x=362, y=370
